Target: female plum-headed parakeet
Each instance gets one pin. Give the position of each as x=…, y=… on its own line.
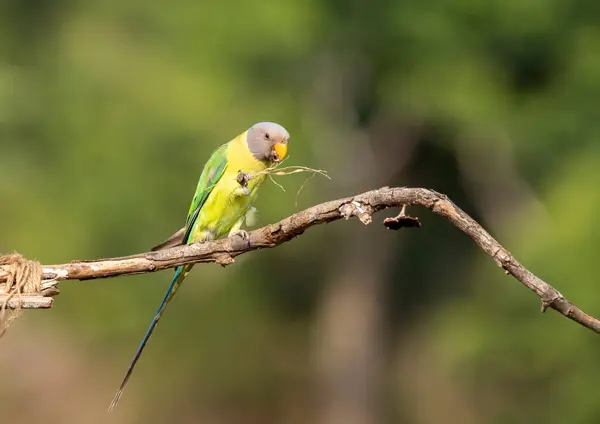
x=223, y=199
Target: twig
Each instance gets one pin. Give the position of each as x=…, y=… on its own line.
x=363, y=206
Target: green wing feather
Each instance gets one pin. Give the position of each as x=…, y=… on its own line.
x=211, y=174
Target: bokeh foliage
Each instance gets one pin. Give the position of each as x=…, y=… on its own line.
x=108, y=111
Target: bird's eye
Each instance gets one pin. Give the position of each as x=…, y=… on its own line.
x=267, y=136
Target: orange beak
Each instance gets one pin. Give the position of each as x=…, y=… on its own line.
x=281, y=150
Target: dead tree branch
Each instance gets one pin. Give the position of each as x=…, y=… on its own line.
x=362, y=206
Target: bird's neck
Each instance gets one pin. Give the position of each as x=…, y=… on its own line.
x=242, y=158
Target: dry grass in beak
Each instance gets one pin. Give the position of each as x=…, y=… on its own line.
x=278, y=170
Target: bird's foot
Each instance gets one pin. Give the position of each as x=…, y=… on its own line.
x=243, y=178
x=243, y=234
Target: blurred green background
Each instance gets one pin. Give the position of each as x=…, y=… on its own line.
x=109, y=109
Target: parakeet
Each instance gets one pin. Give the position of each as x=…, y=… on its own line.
x=223, y=201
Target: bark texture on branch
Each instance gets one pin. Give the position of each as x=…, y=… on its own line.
x=362, y=206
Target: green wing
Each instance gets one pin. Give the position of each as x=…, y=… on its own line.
x=211, y=174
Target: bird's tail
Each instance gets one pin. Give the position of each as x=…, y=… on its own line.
x=180, y=274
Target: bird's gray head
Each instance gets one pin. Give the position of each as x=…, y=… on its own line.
x=268, y=141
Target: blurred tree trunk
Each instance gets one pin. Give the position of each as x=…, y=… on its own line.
x=351, y=333
x=351, y=345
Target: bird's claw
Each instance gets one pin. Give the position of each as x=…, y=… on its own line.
x=243, y=234
x=243, y=178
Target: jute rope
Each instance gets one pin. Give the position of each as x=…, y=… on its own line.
x=24, y=277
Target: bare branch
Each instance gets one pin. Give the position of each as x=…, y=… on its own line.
x=362, y=206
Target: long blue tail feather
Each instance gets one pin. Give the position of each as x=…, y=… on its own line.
x=168, y=295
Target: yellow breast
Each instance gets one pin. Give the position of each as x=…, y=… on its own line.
x=225, y=206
